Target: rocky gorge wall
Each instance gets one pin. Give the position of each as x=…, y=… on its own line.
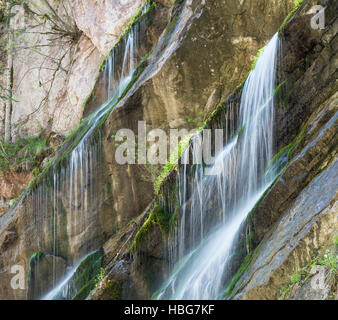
x=58, y=68
x=32, y=217
x=178, y=88
x=292, y=223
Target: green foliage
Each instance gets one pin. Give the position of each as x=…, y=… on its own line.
x=335, y=240
x=5, y=7
x=236, y=277
x=132, y=221
x=36, y=256
x=295, y=278
x=279, y=87
x=23, y=154
x=172, y=25
x=259, y=53
x=298, y=3
x=112, y=291
x=282, y=157
x=329, y=260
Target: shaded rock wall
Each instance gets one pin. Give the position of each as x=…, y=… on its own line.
x=309, y=67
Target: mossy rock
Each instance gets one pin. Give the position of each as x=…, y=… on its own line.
x=157, y=217
x=87, y=275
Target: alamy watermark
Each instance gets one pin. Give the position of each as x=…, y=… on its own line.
x=156, y=147
x=18, y=280
x=318, y=19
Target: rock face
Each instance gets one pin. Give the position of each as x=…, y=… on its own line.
x=41, y=280
x=11, y=186
x=295, y=220
x=173, y=88
x=311, y=68
x=178, y=85
x=72, y=227
x=104, y=22
x=59, y=72
x=305, y=229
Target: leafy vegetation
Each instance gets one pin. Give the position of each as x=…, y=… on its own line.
x=335, y=240
x=88, y=274
x=112, y=291
x=22, y=155
x=259, y=53
x=329, y=259
x=237, y=276
x=36, y=256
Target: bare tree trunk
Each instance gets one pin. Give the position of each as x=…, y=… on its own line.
x=9, y=85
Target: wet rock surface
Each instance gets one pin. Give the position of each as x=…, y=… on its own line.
x=306, y=228
x=178, y=85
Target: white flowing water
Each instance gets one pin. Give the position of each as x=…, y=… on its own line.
x=62, y=287
x=214, y=207
x=75, y=185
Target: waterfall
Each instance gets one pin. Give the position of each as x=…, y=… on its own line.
x=69, y=196
x=214, y=207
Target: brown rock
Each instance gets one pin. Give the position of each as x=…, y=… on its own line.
x=13, y=183
x=7, y=239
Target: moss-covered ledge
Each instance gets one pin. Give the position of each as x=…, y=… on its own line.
x=297, y=7
x=158, y=217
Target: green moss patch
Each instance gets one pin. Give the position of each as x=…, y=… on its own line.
x=112, y=291
x=36, y=256
x=157, y=217
x=34, y=260
x=172, y=162
x=88, y=274
x=236, y=277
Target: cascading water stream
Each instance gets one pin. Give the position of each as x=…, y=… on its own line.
x=239, y=180
x=75, y=186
